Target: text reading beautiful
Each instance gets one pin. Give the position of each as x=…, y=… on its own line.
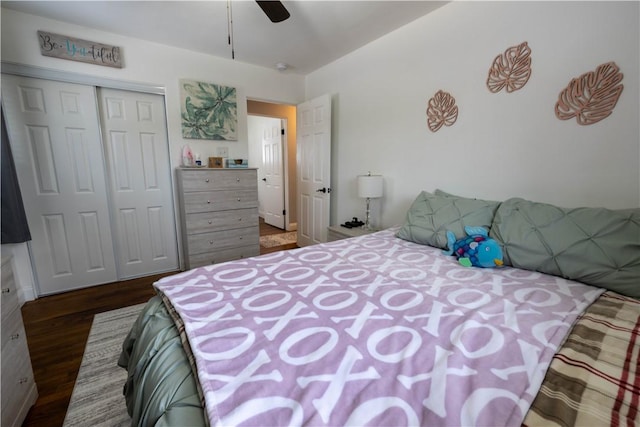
x=63, y=47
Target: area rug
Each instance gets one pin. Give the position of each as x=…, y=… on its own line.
x=97, y=398
x=279, y=239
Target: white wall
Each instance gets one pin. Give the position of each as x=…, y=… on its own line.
x=152, y=64
x=502, y=145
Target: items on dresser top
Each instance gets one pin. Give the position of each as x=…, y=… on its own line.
x=219, y=215
x=19, y=390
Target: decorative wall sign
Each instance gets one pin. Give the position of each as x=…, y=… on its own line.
x=63, y=47
x=209, y=111
x=592, y=96
x=511, y=70
x=442, y=110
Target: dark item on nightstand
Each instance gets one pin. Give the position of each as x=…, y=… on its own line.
x=355, y=222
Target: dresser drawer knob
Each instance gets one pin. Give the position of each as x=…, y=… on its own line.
x=206, y=180
x=6, y=290
x=240, y=237
x=238, y=198
x=210, y=221
x=208, y=201
x=239, y=219
x=23, y=380
x=14, y=337
x=237, y=179
x=211, y=242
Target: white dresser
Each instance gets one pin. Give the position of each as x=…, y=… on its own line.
x=218, y=214
x=19, y=390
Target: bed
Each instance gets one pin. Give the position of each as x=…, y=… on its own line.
x=384, y=329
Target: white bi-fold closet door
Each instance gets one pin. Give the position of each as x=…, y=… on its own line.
x=93, y=168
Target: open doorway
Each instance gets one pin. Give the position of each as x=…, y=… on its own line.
x=262, y=120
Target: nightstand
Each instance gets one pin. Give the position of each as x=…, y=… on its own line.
x=338, y=232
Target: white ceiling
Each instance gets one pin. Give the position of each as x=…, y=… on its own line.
x=317, y=33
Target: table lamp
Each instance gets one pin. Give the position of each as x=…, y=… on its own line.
x=369, y=187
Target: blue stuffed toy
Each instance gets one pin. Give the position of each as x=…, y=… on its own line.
x=477, y=249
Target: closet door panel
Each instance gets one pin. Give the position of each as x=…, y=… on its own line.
x=56, y=144
x=135, y=135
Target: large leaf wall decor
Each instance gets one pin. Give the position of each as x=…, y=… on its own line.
x=510, y=70
x=442, y=110
x=592, y=96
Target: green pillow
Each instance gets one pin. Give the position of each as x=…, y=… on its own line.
x=431, y=215
x=597, y=246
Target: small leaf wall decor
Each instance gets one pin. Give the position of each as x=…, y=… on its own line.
x=592, y=96
x=511, y=70
x=442, y=110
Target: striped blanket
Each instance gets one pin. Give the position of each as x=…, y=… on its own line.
x=595, y=378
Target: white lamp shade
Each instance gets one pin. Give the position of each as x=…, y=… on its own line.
x=370, y=186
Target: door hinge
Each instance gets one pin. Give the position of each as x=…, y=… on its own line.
x=282, y=131
x=284, y=212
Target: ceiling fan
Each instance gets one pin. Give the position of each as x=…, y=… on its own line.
x=274, y=10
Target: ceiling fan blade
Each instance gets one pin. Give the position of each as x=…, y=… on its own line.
x=275, y=10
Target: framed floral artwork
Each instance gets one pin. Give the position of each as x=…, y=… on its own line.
x=209, y=111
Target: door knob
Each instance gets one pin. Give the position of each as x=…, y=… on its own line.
x=264, y=179
x=324, y=190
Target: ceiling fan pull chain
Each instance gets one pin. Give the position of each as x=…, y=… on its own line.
x=230, y=29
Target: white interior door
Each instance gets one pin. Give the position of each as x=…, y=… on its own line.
x=272, y=172
x=314, y=169
x=55, y=141
x=135, y=139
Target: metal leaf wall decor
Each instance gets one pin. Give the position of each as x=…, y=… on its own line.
x=592, y=96
x=442, y=110
x=511, y=70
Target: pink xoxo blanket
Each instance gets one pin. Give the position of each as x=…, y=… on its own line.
x=371, y=331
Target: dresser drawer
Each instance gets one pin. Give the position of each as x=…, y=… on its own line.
x=18, y=386
x=207, y=242
x=9, y=292
x=223, y=220
x=12, y=330
x=223, y=255
x=212, y=201
x=203, y=180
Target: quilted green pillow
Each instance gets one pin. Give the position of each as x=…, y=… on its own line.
x=431, y=215
x=597, y=246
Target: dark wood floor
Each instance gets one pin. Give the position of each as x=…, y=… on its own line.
x=57, y=328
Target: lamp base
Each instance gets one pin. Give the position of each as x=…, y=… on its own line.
x=367, y=220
